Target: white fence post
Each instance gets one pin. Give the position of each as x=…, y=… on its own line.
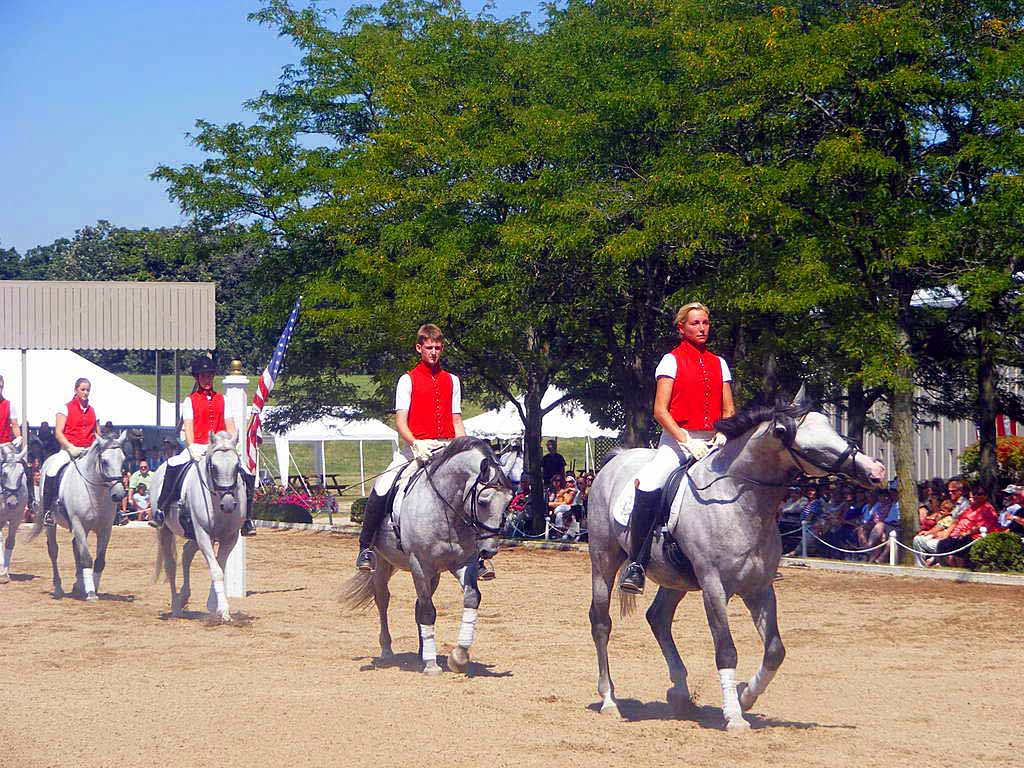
x=984, y=531
x=236, y=406
x=893, y=549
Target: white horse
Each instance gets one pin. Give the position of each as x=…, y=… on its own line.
x=14, y=486
x=87, y=499
x=213, y=503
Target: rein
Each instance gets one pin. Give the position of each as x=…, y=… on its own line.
x=108, y=481
x=484, y=530
x=18, y=483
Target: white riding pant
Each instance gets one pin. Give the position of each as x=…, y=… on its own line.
x=183, y=457
x=399, y=460
x=54, y=462
x=668, y=456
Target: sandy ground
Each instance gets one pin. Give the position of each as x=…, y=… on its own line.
x=880, y=671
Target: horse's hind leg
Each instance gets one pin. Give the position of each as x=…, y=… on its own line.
x=458, y=660
x=188, y=553
x=716, y=605
x=102, y=540
x=426, y=615
x=53, y=549
x=603, y=567
x=763, y=611
x=165, y=540
x=659, y=616
x=382, y=597
x=8, y=551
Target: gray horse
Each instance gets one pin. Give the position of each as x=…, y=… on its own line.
x=86, y=502
x=14, y=486
x=213, y=496
x=724, y=520
x=451, y=515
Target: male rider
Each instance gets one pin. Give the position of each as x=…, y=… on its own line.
x=692, y=392
x=202, y=413
x=428, y=413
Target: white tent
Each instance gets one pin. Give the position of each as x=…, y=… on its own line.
x=51, y=383
x=566, y=420
x=327, y=429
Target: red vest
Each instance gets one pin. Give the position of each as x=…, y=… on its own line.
x=207, y=415
x=430, y=408
x=696, y=401
x=6, y=435
x=80, y=426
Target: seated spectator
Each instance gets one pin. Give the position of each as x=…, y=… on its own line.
x=519, y=513
x=126, y=500
x=37, y=479
x=979, y=514
x=1012, y=518
x=562, y=503
x=811, y=513
x=572, y=528
x=141, y=503
x=836, y=527
x=141, y=475
x=925, y=542
x=883, y=517
x=955, y=487
x=789, y=511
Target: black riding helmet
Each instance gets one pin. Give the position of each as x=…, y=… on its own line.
x=203, y=365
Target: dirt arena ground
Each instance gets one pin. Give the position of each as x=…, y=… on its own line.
x=880, y=672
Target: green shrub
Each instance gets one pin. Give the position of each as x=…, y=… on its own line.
x=358, y=507
x=998, y=552
x=282, y=513
x=1009, y=461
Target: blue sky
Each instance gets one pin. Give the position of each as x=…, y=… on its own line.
x=94, y=94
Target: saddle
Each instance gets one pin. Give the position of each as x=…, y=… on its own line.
x=51, y=488
x=393, y=511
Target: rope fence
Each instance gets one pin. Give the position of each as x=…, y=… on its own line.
x=893, y=543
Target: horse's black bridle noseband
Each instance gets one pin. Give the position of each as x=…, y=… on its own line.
x=17, y=485
x=850, y=454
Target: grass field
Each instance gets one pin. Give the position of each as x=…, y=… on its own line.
x=341, y=457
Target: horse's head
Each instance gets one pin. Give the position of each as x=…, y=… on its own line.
x=803, y=440
x=222, y=462
x=109, y=451
x=12, y=471
x=485, y=491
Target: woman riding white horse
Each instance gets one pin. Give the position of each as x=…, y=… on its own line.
x=692, y=393
x=77, y=428
x=203, y=414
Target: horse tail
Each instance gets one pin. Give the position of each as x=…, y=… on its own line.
x=357, y=592
x=627, y=604
x=37, y=528
x=158, y=566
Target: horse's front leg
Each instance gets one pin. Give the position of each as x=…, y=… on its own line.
x=458, y=660
x=84, y=563
x=8, y=551
x=53, y=549
x=764, y=612
x=659, y=617
x=426, y=614
x=217, y=601
x=102, y=540
x=382, y=597
x=715, y=605
x=224, y=549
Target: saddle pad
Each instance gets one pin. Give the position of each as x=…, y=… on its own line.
x=622, y=506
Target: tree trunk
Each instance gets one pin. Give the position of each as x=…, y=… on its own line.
x=638, y=424
x=987, y=408
x=902, y=405
x=856, y=411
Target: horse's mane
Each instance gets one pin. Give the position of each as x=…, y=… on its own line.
x=757, y=413
x=467, y=443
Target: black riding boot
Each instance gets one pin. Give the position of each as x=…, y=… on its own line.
x=168, y=494
x=641, y=525
x=248, y=527
x=373, y=516
x=49, y=496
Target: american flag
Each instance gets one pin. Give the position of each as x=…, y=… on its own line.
x=266, y=384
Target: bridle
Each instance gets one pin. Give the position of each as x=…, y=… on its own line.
x=108, y=481
x=472, y=496
x=17, y=483
x=209, y=472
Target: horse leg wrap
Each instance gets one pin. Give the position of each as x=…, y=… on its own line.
x=730, y=699
x=429, y=641
x=467, y=630
x=7, y=556
x=760, y=681
x=218, y=588
x=87, y=580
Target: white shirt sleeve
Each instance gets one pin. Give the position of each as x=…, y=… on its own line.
x=456, y=395
x=13, y=411
x=726, y=373
x=667, y=367
x=403, y=393
x=186, y=409
x=63, y=411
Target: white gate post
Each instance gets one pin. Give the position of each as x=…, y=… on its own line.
x=236, y=400
x=893, y=553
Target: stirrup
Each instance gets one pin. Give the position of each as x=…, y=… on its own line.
x=486, y=571
x=48, y=520
x=365, y=561
x=156, y=520
x=633, y=579
x=248, y=528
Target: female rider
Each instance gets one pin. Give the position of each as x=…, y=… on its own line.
x=692, y=392
x=77, y=428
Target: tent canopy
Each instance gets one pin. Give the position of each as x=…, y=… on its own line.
x=567, y=420
x=51, y=383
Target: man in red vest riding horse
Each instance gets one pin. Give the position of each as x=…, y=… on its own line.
x=202, y=413
x=428, y=413
x=692, y=393
x=77, y=428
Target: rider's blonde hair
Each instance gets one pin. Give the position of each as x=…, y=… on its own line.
x=687, y=308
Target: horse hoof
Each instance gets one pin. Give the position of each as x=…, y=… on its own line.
x=432, y=669
x=90, y=597
x=679, y=699
x=458, y=659
x=386, y=654
x=746, y=698
x=4, y=578
x=737, y=725
x=610, y=708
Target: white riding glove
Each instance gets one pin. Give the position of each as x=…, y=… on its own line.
x=422, y=449
x=16, y=442
x=196, y=451
x=695, y=447
x=75, y=451
x=718, y=440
